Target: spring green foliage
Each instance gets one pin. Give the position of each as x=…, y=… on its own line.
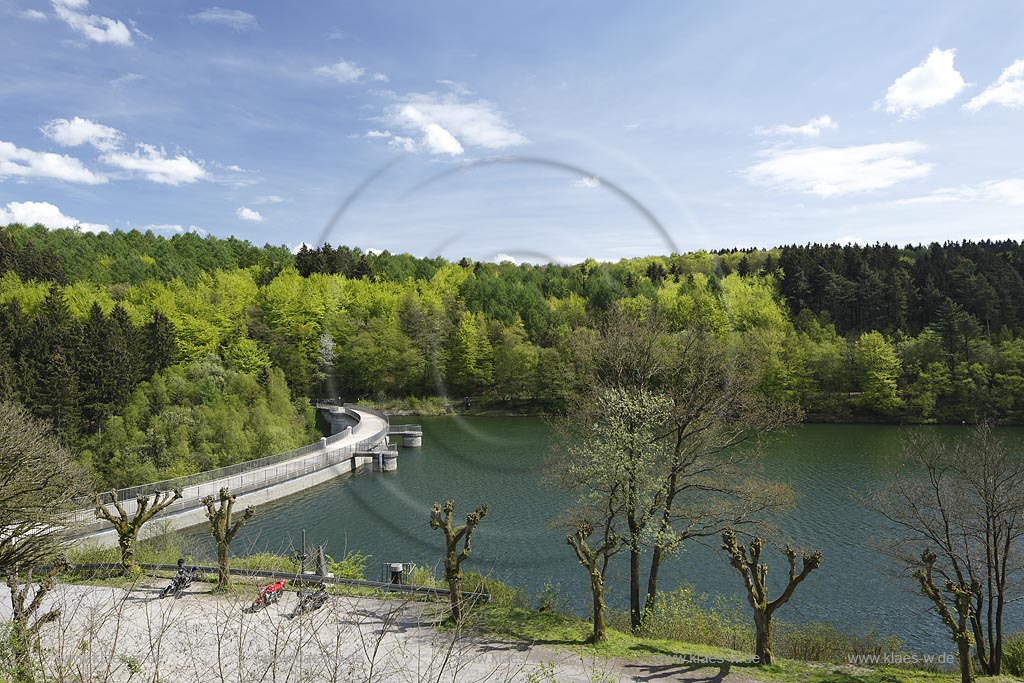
x=195, y=417
x=87, y=322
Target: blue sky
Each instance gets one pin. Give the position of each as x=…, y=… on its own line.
x=732, y=124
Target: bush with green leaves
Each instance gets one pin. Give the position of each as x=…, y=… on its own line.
x=1013, y=654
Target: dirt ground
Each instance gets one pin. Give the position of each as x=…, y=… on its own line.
x=114, y=634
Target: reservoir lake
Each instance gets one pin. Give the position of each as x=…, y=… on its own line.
x=500, y=461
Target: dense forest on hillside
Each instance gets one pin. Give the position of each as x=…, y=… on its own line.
x=161, y=356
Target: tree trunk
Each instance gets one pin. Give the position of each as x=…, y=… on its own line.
x=635, y=612
x=996, y=652
x=963, y=646
x=763, y=626
x=652, y=578
x=597, y=590
x=21, y=650
x=455, y=597
x=223, y=575
x=127, y=545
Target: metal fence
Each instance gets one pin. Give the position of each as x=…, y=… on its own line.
x=245, y=476
x=405, y=429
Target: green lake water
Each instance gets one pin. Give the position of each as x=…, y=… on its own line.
x=499, y=461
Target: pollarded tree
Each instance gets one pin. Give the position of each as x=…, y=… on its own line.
x=755, y=577
x=27, y=618
x=594, y=558
x=441, y=518
x=223, y=529
x=127, y=523
x=958, y=618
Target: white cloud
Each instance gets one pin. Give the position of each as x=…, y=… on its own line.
x=32, y=15
x=812, y=128
x=165, y=228
x=448, y=124
x=127, y=78
x=933, y=82
x=78, y=131
x=176, y=229
x=502, y=257
x=268, y=199
x=296, y=248
x=835, y=171
x=92, y=27
x=378, y=134
x=156, y=166
x=44, y=213
x=587, y=183
x=343, y=71
x=1009, y=191
x=850, y=239
x=232, y=18
x=440, y=141
x=381, y=77
x=455, y=86
x=1008, y=90
x=247, y=214
x=403, y=143
x=26, y=163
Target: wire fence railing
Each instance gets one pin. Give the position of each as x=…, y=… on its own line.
x=250, y=475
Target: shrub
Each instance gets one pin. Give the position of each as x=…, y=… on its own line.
x=352, y=566
x=1013, y=654
x=681, y=615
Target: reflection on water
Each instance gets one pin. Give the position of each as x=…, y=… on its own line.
x=498, y=461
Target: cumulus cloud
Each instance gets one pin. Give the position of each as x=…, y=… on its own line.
x=343, y=71
x=78, y=131
x=247, y=214
x=44, y=213
x=154, y=164
x=812, y=128
x=232, y=18
x=1008, y=90
x=933, y=82
x=502, y=257
x=90, y=26
x=19, y=162
x=447, y=124
x=836, y=171
x=587, y=183
x=32, y=15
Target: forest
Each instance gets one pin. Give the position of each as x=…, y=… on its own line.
x=157, y=357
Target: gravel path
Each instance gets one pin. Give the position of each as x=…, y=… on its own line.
x=110, y=634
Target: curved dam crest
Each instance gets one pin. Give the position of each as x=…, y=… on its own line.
x=359, y=438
